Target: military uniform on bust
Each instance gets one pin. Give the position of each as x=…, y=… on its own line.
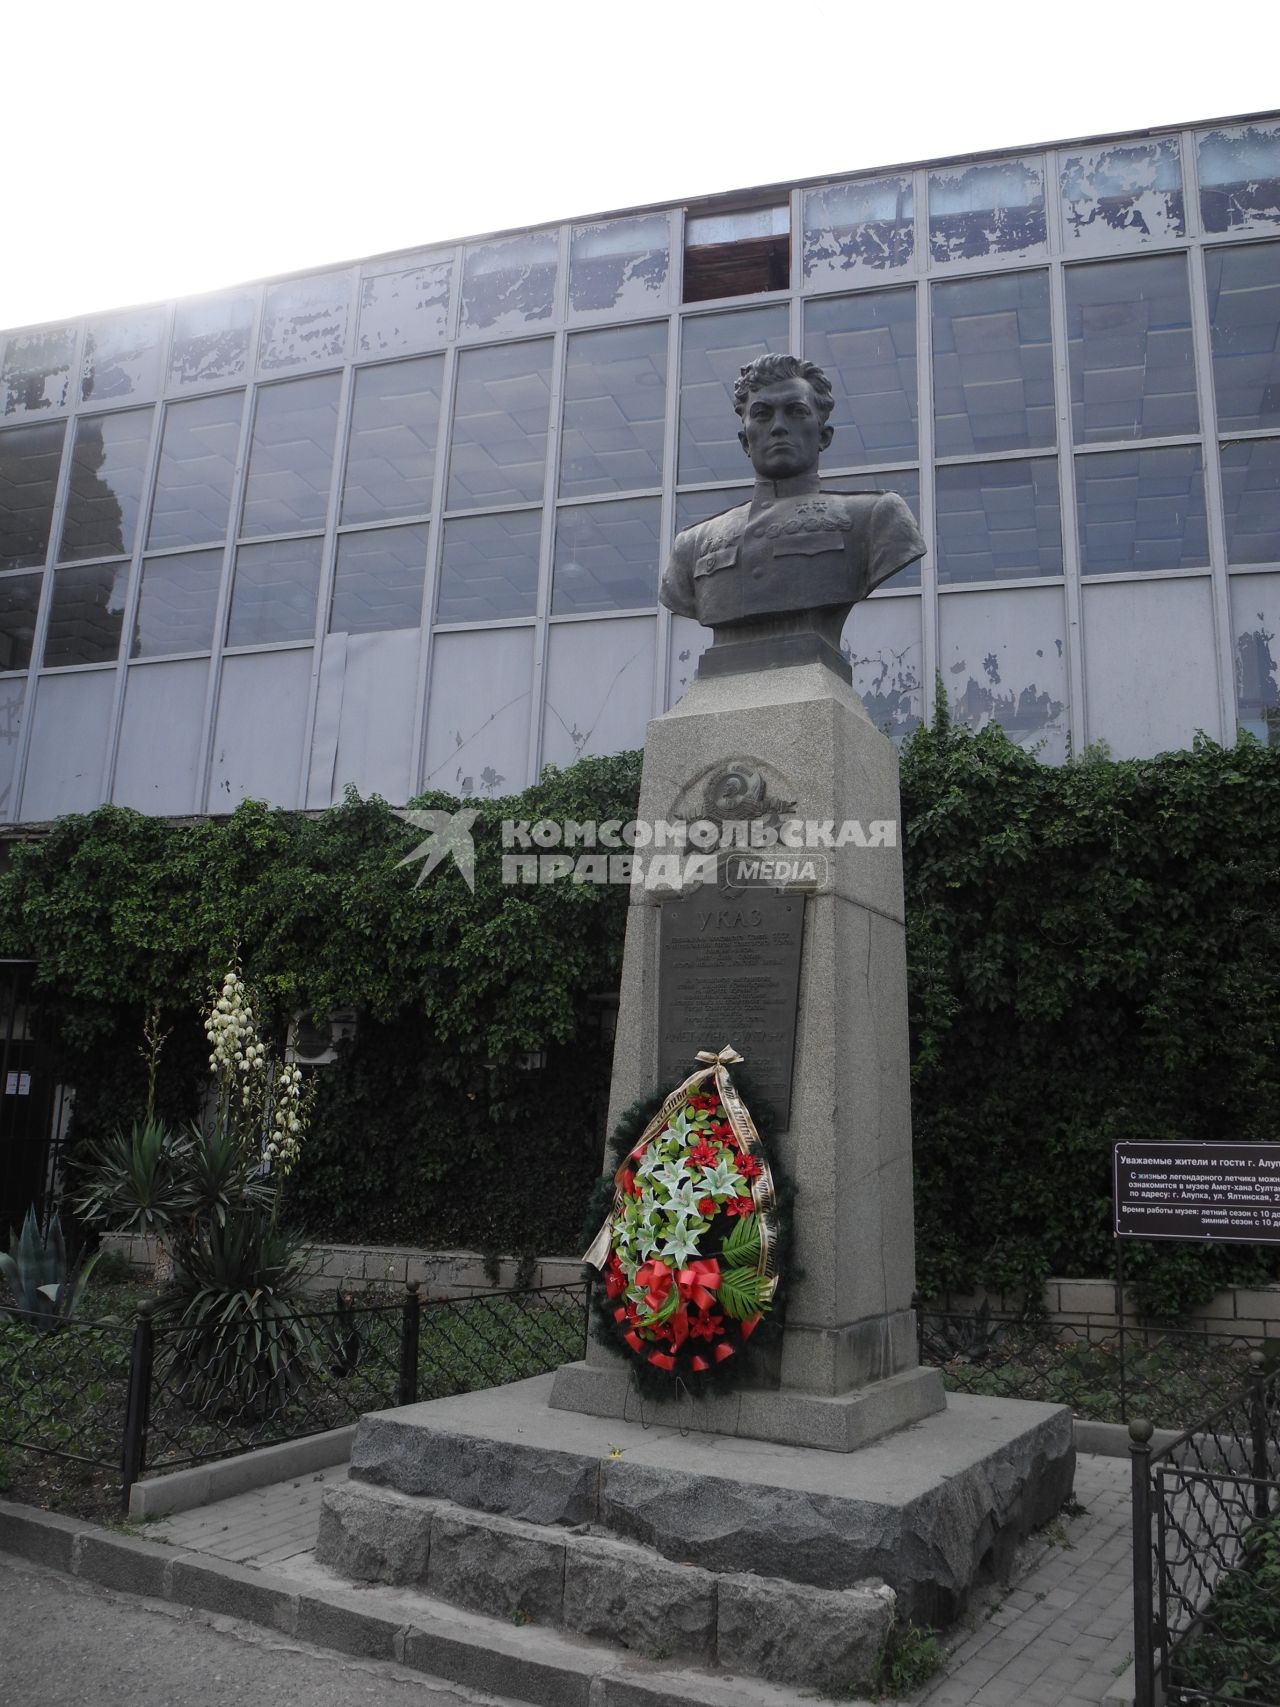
x=794, y=558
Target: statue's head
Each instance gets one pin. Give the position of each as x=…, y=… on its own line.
x=783, y=403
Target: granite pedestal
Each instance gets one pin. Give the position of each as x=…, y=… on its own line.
x=846, y=1368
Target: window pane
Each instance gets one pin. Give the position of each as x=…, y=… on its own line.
x=1141, y=510
x=992, y=364
x=987, y=210
x=716, y=348
x=490, y=567
x=1240, y=178
x=274, y=593
x=1244, y=318
x=606, y=556
x=87, y=614
x=36, y=372
x=108, y=467
x=177, y=605
x=379, y=579
x=848, y=227
x=1251, y=500
x=1129, y=333
x=292, y=456
x=866, y=345
x=29, y=458
x=391, y=456
x=508, y=284
x=211, y=339
x=620, y=265
x=19, y=601
x=998, y=521
x=406, y=308
x=500, y=410
x=122, y=355
x=197, y=468
x=304, y=322
x=1123, y=196
x=615, y=400
x=906, y=483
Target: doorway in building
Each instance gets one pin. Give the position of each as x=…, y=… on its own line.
x=30, y=1106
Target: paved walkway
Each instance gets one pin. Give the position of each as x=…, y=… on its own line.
x=1060, y=1638
x=1064, y=1635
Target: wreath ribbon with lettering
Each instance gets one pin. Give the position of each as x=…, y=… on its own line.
x=689, y=1252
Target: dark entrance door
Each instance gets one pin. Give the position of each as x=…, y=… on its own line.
x=27, y=1095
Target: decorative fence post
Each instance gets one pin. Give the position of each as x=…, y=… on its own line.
x=408, y=1389
x=1140, y=1433
x=138, y=1403
x=1258, y=1430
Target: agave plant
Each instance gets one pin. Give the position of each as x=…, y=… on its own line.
x=45, y=1293
x=239, y=1347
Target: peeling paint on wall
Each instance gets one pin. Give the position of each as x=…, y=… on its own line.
x=508, y=283
x=305, y=321
x=1240, y=178
x=1116, y=198
x=851, y=226
x=890, y=687
x=987, y=210
x=36, y=372
x=405, y=310
x=620, y=263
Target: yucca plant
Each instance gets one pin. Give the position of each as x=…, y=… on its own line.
x=240, y=1348
x=136, y=1182
x=45, y=1293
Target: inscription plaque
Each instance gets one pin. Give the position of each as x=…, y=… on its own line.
x=729, y=972
x=1202, y=1192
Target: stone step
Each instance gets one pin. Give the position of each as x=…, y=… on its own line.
x=930, y=1509
x=615, y=1592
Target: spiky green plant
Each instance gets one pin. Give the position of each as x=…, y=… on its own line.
x=240, y=1348
x=45, y=1293
x=135, y=1180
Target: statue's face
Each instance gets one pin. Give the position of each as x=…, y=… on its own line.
x=782, y=431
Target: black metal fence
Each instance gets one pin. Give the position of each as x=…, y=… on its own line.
x=1206, y=1555
x=159, y=1395
x=1170, y=1376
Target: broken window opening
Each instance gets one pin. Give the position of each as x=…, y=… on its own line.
x=741, y=253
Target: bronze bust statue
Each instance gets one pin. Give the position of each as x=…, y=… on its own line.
x=776, y=577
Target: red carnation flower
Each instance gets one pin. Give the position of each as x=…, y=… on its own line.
x=703, y=1155
x=706, y=1327
x=749, y=1167
x=739, y=1206
x=707, y=1207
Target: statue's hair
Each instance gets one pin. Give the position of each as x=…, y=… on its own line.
x=769, y=370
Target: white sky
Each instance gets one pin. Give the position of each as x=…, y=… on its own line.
x=155, y=150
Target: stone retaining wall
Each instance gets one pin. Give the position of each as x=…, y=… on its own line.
x=357, y=1268
x=1251, y=1313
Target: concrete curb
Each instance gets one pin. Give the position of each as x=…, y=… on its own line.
x=180, y=1490
x=530, y=1664
x=1111, y=1440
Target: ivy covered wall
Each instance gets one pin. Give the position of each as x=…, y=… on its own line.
x=1094, y=954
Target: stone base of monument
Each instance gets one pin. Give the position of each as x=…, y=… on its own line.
x=832, y=1423
x=742, y=1556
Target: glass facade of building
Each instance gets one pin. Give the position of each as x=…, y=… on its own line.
x=401, y=524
